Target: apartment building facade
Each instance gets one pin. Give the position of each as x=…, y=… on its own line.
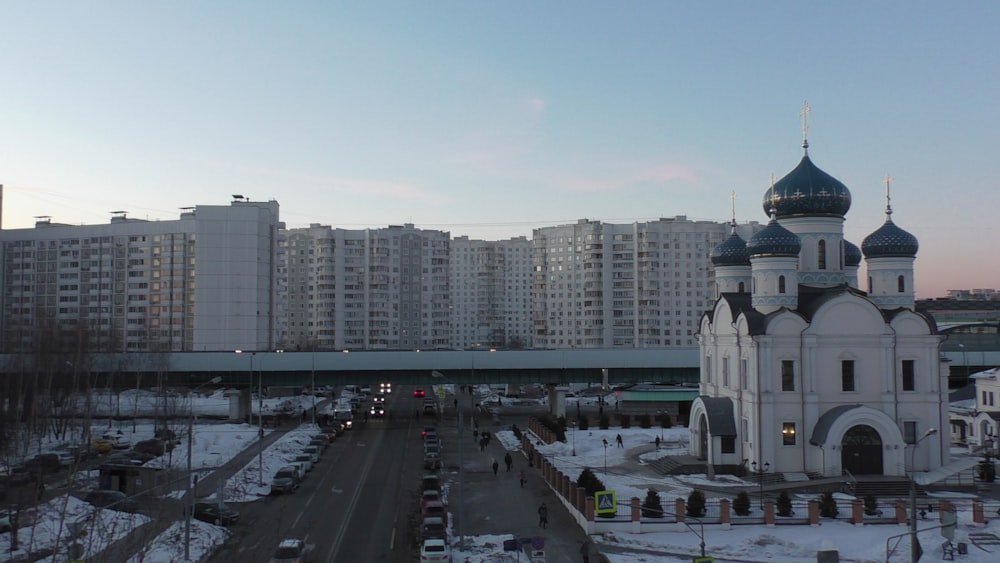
x=491, y=283
x=204, y=281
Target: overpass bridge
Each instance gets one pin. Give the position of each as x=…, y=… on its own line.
x=413, y=367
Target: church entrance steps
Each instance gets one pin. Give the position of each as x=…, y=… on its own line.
x=985, y=541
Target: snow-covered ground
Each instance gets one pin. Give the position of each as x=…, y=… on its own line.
x=216, y=443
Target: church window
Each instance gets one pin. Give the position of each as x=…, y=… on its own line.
x=781, y=284
x=821, y=255
x=788, y=433
x=910, y=431
x=847, y=375
x=725, y=372
x=984, y=399
x=744, y=373
x=742, y=288
x=900, y=284
x=728, y=444
x=708, y=369
x=869, y=284
x=909, y=376
x=787, y=375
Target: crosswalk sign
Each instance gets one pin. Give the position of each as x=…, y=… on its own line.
x=605, y=502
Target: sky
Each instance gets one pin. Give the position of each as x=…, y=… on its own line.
x=215, y=443
x=489, y=119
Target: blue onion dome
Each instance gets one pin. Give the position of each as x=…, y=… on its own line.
x=890, y=241
x=774, y=240
x=808, y=191
x=731, y=252
x=852, y=254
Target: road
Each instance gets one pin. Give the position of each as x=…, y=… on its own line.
x=357, y=504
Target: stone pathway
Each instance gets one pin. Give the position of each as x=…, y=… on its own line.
x=985, y=541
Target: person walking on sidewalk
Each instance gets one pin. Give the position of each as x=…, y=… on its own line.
x=657, y=442
x=543, y=516
x=496, y=466
x=618, y=439
x=521, y=478
x=508, y=460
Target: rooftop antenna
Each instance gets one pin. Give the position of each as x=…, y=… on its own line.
x=888, y=205
x=805, y=127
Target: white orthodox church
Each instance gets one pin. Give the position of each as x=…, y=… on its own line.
x=802, y=370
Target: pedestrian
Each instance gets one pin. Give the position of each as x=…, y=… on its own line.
x=543, y=516
x=585, y=552
x=657, y=442
x=605, y=440
x=455, y=402
x=499, y=402
x=496, y=466
x=508, y=460
x=618, y=439
x=475, y=434
x=521, y=478
x=482, y=443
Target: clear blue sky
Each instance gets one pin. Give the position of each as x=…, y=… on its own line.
x=489, y=119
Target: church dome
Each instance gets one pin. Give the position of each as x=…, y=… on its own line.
x=731, y=252
x=852, y=254
x=890, y=241
x=774, y=240
x=808, y=191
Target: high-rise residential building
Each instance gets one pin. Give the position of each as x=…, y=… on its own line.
x=639, y=285
x=368, y=289
x=491, y=284
x=202, y=282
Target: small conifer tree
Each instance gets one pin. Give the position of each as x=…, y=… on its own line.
x=696, y=504
x=871, y=505
x=651, y=506
x=827, y=505
x=741, y=504
x=784, y=504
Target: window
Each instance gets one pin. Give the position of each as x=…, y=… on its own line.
x=821, y=255
x=900, y=284
x=788, y=434
x=741, y=289
x=728, y=444
x=869, y=284
x=708, y=369
x=787, y=375
x=910, y=431
x=909, y=376
x=744, y=373
x=847, y=375
x=725, y=372
x=781, y=284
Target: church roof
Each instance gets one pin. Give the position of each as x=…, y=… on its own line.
x=852, y=254
x=719, y=411
x=740, y=303
x=890, y=241
x=731, y=252
x=822, y=427
x=808, y=191
x=774, y=240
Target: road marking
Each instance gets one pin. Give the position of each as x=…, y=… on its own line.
x=295, y=523
x=337, y=491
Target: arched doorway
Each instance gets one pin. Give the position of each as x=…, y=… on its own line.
x=861, y=451
x=703, y=437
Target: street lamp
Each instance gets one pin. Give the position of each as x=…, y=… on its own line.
x=760, y=479
x=914, y=543
x=605, y=457
x=461, y=462
x=189, y=498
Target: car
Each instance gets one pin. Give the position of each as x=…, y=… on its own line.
x=433, y=527
x=66, y=458
x=320, y=441
x=290, y=550
x=430, y=409
x=115, y=500
x=433, y=441
x=428, y=430
x=385, y=388
x=435, y=550
x=220, y=514
x=378, y=398
x=430, y=495
x=434, y=448
x=435, y=508
x=286, y=480
x=432, y=461
x=377, y=411
x=366, y=389
x=304, y=461
x=118, y=440
x=102, y=446
x=430, y=482
x=314, y=451
x=419, y=393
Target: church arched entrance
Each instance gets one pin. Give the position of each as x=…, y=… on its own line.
x=861, y=451
x=703, y=437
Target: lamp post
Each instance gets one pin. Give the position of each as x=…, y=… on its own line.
x=760, y=479
x=965, y=362
x=461, y=463
x=189, y=498
x=605, y=456
x=914, y=543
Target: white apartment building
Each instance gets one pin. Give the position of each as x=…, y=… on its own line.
x=491, y=285
x=202, y=282
x=639, y=285
x=367, y=289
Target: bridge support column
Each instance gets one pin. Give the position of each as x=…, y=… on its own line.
x=239, y=404
x=557, y=399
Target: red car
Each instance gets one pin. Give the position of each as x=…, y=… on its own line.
x=418, y=393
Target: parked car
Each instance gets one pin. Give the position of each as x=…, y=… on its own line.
x=313, y=451
x=430, y=495
x=432, y=461
x=118, y=441
x=289, y=551
x=286, y=480
x=428, y=430
x=220, y=514
x=321, y=442
x=66, y=458
x=115, y=500
x=435, y=508
x=304, y=461
x=430, y=482
x=433, y=527
x=435, y=550
x=102, y=446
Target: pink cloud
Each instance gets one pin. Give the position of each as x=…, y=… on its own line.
x=537, y=104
